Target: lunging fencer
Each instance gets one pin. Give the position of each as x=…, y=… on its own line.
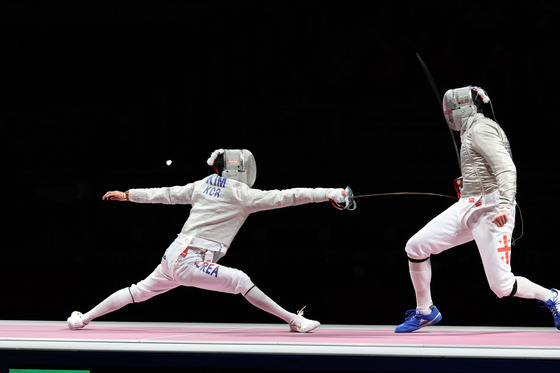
x=484, y=213
x=221, y=202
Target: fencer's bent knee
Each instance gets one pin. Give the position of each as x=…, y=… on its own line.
x=514, y=290
x=140, y=293
x=414, y=251
x=244, y=284
x=502, y=289
x=418, y=260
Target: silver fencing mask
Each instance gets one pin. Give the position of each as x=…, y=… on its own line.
x=461, y=104
x=235, y=164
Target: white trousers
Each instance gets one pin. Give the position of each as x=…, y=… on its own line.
x=185, y=266
x=466, y=220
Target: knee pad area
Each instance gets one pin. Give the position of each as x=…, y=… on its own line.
x=139, y=294
x=503, y=285
x=502, y=291
x=415, y=253
x=514, y=290
x=244, y=284
x=412, y=260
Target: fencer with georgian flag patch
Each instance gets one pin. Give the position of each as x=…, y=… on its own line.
x=484, y=213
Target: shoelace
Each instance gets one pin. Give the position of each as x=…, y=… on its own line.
x=551, y=305
x=410, y=314
x=299, y=313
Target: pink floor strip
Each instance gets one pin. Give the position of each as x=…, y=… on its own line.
x=433, y=336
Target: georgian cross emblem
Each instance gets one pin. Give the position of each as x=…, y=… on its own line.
x=506, y=249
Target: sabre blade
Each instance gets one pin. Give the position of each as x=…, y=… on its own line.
x=440, y=101
x=406, y=193
x=430, y=80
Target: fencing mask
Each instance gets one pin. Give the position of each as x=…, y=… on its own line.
x=235, y=164
x=461, y=104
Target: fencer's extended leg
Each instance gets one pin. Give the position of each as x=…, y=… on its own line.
x=548, y=298
x=495, y=252
x=257, y=298
x=297, y=322
x=157, y=282
x=112, y=303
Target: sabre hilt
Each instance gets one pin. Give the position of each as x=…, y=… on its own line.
x=349, y=203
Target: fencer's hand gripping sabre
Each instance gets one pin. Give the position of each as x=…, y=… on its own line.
x=349, y=203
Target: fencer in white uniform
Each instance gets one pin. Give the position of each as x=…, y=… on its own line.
x=484, y=213
x=221, y=203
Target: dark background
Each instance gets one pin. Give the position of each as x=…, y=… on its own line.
x=97, y=95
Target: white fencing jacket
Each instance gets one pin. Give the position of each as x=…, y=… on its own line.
x=220, y=206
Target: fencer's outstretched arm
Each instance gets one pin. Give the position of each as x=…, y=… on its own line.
x=283, y=198
x=259, y=200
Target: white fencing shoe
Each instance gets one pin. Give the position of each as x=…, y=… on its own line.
x=75, y=321
x=302, y=325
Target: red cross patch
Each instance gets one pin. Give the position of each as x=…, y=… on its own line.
x=506, y=249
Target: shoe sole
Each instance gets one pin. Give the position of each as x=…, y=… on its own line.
x=305, y=331
x=315, y=327
x=74, y=326
x=75, y=321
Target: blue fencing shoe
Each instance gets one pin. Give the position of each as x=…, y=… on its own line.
x=553, y=304
x=416, y=320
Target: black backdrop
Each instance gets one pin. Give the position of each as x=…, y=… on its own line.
x=97, y=96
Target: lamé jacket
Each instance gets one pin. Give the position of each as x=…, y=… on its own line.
x=486, y=161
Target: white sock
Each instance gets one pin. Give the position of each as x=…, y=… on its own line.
x=112, y=303
x=530, y=290
x=259, y=299
x=421, y=276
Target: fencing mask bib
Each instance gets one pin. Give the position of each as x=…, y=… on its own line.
x=235, y=164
